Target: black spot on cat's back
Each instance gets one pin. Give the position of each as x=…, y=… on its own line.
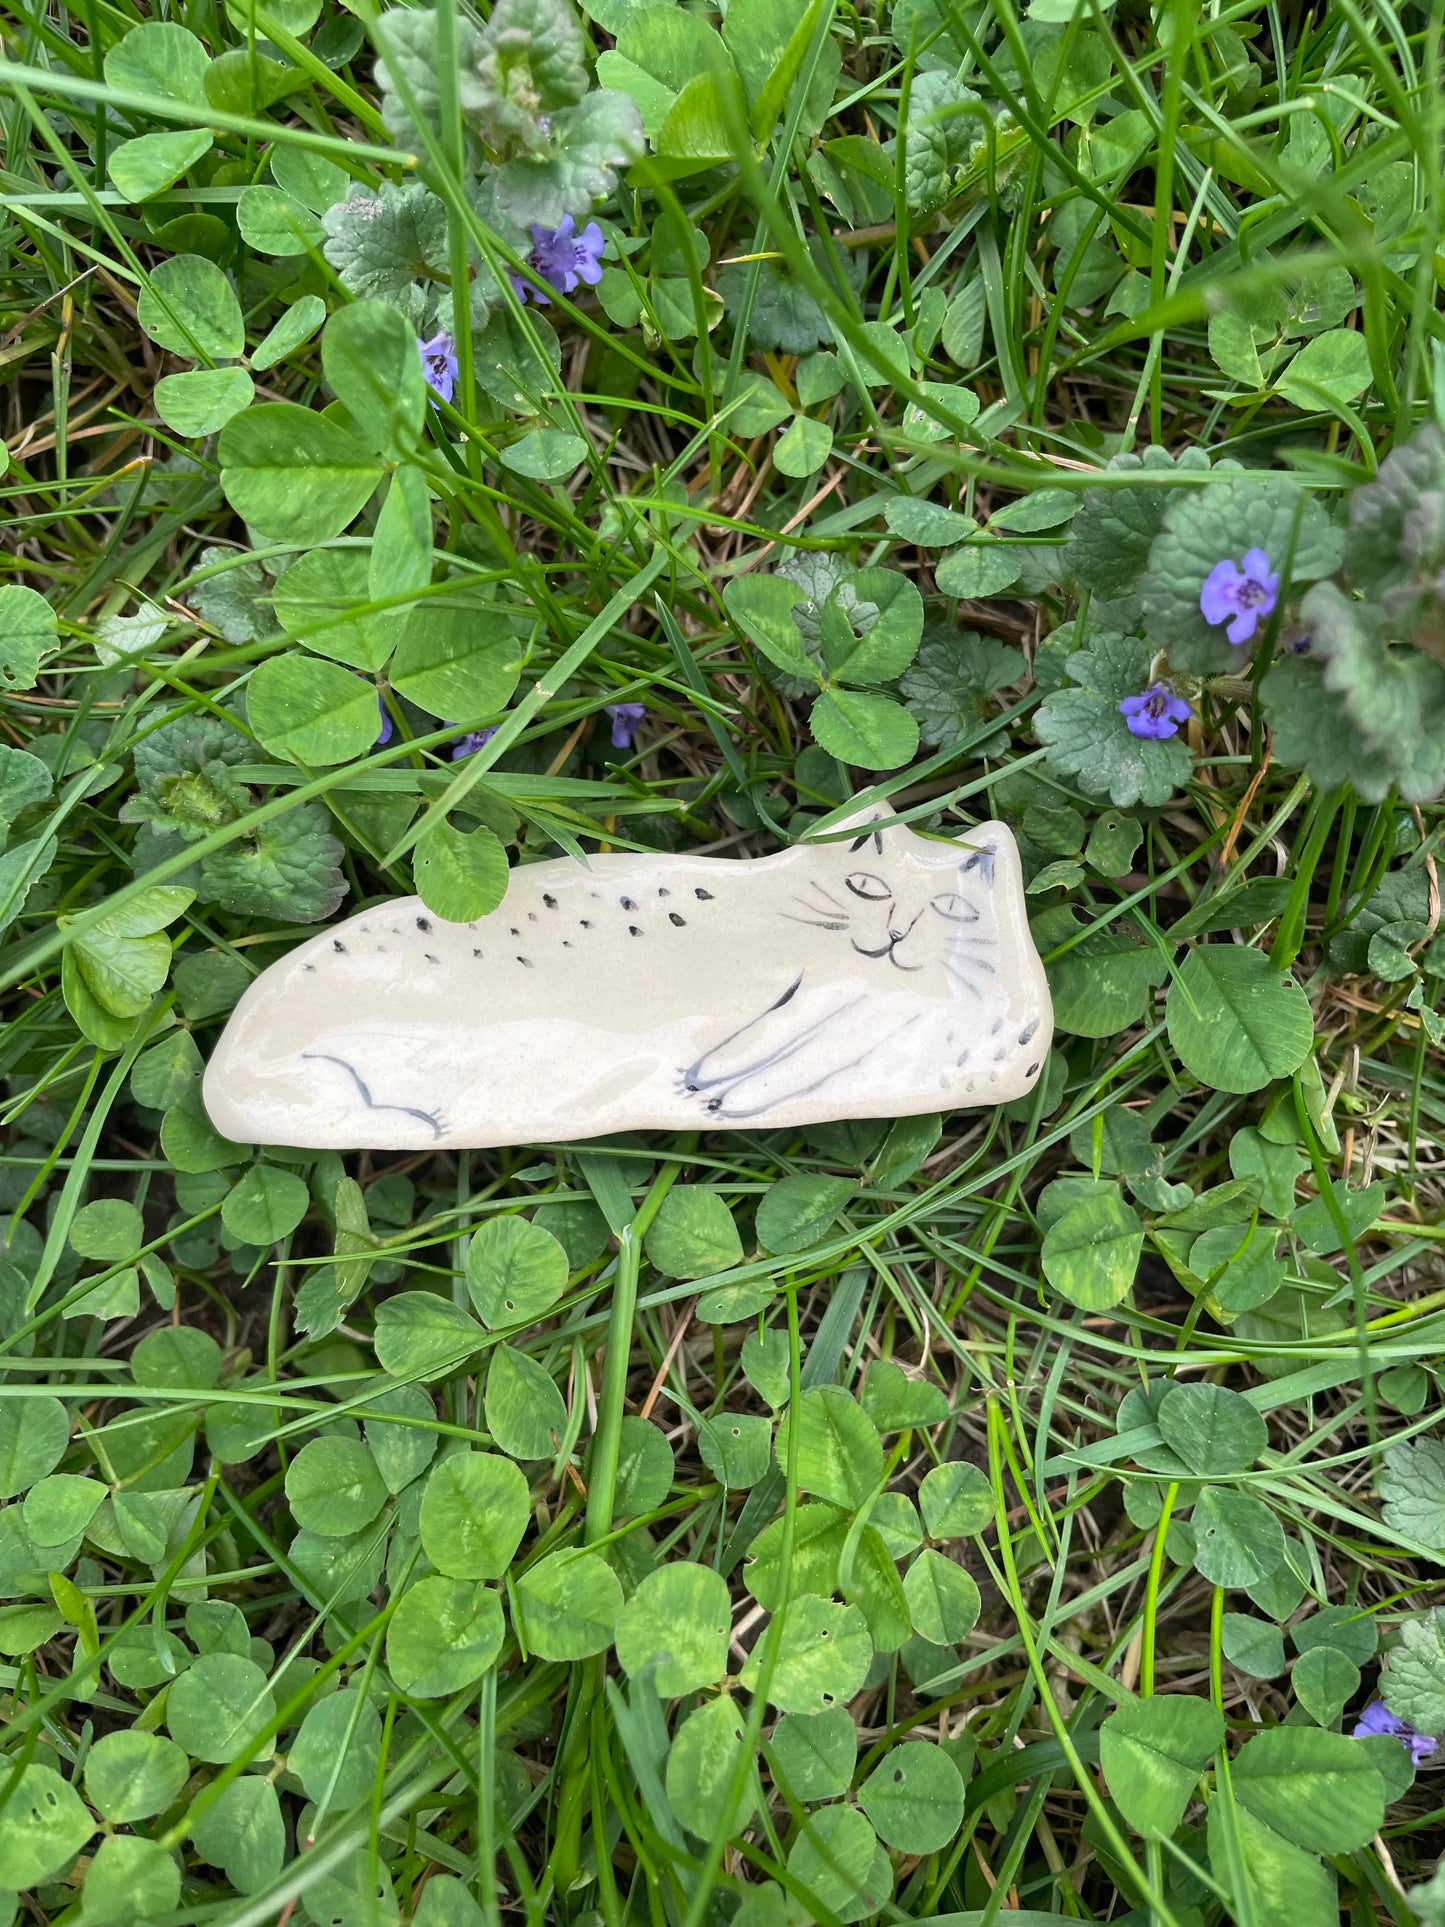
x=633, y=930
x=627, y=903
x=703, y=896
x=551, y=902
x=1028, y=1030
x=423, y=926
x=674, y=918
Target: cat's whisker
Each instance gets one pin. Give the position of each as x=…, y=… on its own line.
x=827, y=896
x=813, y=923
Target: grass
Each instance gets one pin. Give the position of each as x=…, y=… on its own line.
x=1149, y=217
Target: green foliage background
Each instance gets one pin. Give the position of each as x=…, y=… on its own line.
x=995, y=1513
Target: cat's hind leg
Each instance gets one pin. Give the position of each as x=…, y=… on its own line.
x=776, y=1027
x=817, y=1057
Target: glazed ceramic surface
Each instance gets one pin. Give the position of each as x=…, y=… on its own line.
x=875, y=976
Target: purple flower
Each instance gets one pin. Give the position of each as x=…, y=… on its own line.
x=1377, y=1718
x=1239, y=596
x=1157, y=713
x=474, y=740
x=562, y=258
x=625, y=718
x=439, y=363
x=387, y=730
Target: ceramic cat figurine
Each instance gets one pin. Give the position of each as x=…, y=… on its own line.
x=877, y=975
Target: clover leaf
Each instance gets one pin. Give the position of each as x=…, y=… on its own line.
x=869, y=625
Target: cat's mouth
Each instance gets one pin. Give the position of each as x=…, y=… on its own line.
x=889, y=951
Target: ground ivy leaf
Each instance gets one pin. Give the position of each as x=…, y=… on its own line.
x=1411, y=1485
x=1389, y=515
x=382, y=241
x=288, y=867
x=1413, y=1684
x=1088, y=739
x=1395, y=696
x=941, y=138
x=1110, y=536
x=948, y=685
x=1311, y=729
x=1203, y=527
x=590, y=144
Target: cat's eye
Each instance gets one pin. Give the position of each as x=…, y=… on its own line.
x=864, y=884
x=956, y=908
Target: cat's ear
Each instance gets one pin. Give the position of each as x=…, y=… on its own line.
x=869, y=827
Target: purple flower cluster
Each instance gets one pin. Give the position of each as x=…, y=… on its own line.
x=625, y=718
x=1242, y=597
x=474, y=740
x=1377, y=1718
x=1156, y=713
x=562, y=258
x=439, y=363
